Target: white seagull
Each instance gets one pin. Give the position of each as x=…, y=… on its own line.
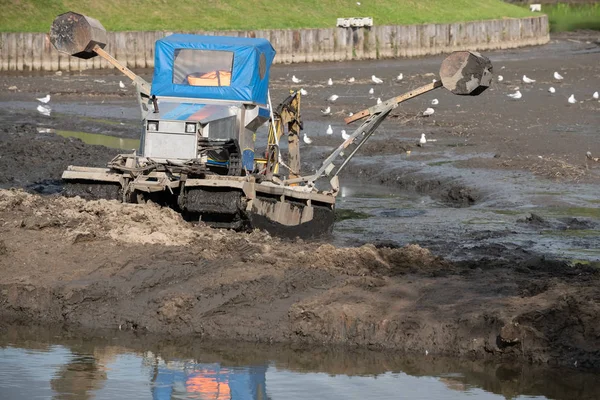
x=572, y=99
x=296, y=80
x=333, y=98
x=303, y=92
x=551, y=89
x=400, y=77
x=350, y=114
x=330, y=82
x=44, y=110
x=306, y=139
x=516, y=95
x=121, y=85
x=500, y=78
x=527, y=80
x=351, y=80
x=329, y=130
x=435, y=102
x=376, y=80
x=428, y=112
x=558, y=76
x=345, y=136
x=326, y=111
x=44, y=99
x=379, y=100
x=596, y=95
x=371, y=91
x=423, y=139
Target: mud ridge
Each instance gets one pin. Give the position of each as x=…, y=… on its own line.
x=103, y=264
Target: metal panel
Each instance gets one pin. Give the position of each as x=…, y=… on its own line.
x=172, y=127
x=169, y=145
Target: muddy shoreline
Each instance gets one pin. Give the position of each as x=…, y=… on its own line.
x=488, y=252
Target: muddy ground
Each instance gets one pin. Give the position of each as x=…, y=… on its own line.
x=430, y=268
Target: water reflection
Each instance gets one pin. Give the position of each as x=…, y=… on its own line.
x=38, y=364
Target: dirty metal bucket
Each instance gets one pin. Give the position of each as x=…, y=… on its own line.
x=466, y=73
x=77, y=35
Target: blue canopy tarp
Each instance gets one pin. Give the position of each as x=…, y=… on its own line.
x=249, y=74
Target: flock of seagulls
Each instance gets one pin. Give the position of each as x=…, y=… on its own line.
x=429, y=111
x=552, y=90
x=326, y=111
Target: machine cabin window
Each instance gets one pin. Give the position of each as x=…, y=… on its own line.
x=202, y=67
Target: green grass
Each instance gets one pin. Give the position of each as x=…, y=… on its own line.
x=564, y=17
x=194, y=15
x=570, y=17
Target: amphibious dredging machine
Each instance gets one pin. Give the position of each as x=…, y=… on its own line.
x=208, y=97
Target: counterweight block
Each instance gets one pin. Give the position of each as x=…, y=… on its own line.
x=77, y=35
x=466, y=73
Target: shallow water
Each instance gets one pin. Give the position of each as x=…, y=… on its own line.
x=103, y=140
x=116, y=365
x=392, y=216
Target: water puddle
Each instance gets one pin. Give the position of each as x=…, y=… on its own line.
x=103, y=140
x=41, y=365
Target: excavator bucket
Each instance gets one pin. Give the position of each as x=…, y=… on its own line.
x=466, y=73
x=77, y=35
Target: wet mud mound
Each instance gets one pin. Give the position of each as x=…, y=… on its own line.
x=29, y=159
x=102, y=264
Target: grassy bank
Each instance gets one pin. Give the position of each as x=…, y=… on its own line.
x=193, y=15
x=564, y=17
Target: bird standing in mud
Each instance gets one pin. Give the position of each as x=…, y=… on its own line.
x=500, y=78
x=330, y=82
x=121, y=85
x=296, y=80
x=400, y=77
x=376, y=80
x=422, y=140
x=596, y=96
x=435, y=102
x=326, y=111
x=528, y=80
x=572, y=99
x=428, y=112
x=516, y=95
x=345, y=136
x=303, y=92
x=306, y=139
x=333, y=98
x=44, y=99
x=558, y=76
x=351, y=80
x=329, y=130
x=551, y=90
